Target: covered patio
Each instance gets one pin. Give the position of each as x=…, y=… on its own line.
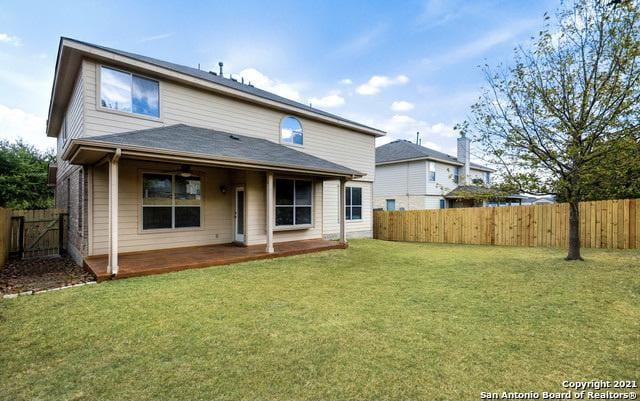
x=170, y=260
x=180, y=197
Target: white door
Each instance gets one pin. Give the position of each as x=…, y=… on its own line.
x=238, y=216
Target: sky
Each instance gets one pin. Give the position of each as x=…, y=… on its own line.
x=400, y=66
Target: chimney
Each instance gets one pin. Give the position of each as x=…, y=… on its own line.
x=220, y=64
x=464, y=157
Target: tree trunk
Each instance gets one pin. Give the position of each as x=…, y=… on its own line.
x=574, y=231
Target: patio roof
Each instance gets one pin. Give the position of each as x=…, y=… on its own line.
x=475, y=191
x=194, y=145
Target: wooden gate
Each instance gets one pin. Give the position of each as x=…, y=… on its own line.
x=38, y=233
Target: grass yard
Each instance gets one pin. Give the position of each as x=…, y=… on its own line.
x=380, y=320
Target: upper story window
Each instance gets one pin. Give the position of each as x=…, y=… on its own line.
x=291, y=131
x=129, y=93
x=488, y=177
x=63, y=131
x=432, y=171
x=456, y=175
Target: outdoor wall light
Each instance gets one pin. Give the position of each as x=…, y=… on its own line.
x=223, y=189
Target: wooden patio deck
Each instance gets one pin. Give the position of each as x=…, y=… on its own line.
x=174, y=259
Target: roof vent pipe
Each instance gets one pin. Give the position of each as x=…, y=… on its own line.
x=220, y=64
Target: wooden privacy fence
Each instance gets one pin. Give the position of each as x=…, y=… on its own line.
x=5, y=227
x=37, y=233
x=603, y=224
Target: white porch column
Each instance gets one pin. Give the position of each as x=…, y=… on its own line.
x=270, y=210
x=112, y=266
x=343, y=228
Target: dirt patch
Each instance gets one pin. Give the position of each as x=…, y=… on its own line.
x=40, y=274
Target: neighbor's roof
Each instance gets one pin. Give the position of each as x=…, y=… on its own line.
x=402, y=150
x=226, y=82
x=184, y=140
x=473, y=191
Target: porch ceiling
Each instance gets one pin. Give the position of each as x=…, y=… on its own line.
x=193, y=145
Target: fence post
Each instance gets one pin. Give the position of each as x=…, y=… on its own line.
x=21, y=237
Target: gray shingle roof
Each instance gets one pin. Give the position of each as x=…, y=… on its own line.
x=196, y=73
x=213, y=144
x=475, y=191
x=400, y=150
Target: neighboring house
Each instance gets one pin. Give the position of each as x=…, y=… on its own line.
x=538, y=200
x=155, y=155
x=413, y=177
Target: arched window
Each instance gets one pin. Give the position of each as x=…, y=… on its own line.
x=291, y=131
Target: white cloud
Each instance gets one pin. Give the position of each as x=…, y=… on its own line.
x=346, y=81
x=262, y=81
x=6, y=38
x=25, y=82
x=333, y=99
x=18, y=124
x=361, y=43
x=156, y=37
x=377, y=82
x=481, y=45
x=401, y=105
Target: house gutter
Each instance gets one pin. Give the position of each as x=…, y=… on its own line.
x=77, y=145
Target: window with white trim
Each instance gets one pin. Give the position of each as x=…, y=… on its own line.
x=170, y=201
x=353, y=208
x=391, y=205
x=432, y=171
x=456, y=174
x=129, y=93
x=294, y=200
x=291, y=131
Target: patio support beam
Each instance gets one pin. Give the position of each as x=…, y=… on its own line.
x=343, y=228
x=112, y=266
x=270, y=210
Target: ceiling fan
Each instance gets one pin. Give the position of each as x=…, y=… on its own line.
x=184, y=171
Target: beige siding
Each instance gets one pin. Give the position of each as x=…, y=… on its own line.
x=182, y=104
x=73, y=123
x=256, y=216
x=99, y=207
x=216, y=210
x=331, y=218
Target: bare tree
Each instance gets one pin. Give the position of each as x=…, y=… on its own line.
x=567, y=99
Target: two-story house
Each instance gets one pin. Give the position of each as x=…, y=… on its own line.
x=155, y=155
x=413, y=177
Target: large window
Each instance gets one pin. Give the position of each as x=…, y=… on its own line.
x=170, y=201
x=129, y=93
x=353, y=209
x=293, y=202
x=291, y=131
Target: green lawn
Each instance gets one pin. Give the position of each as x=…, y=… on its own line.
x=380, y=320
